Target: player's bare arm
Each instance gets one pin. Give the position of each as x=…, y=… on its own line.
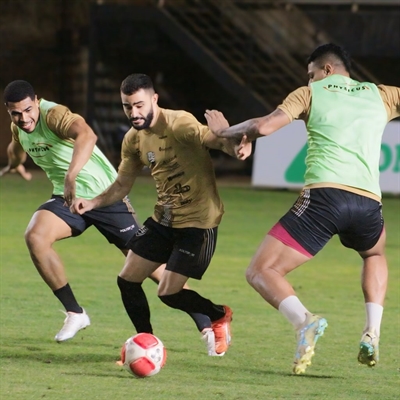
x=85, y=140
x=238, y=148
x=235, y=148
x=117, y=191
x=16, y=156
x=252, y=128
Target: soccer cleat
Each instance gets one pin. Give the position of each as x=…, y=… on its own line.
x=209, y=338
x=222, y=332
x=307, y=337
x=369, y=349
x=73, y=323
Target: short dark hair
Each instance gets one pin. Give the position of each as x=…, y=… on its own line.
x=322, y=53
x=17, y=91
x=134, y=82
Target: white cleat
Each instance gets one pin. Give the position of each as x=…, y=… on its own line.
x=209, y=338
x=73, y=323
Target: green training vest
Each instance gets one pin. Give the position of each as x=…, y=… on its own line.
x=54, y=155
x=345, y=128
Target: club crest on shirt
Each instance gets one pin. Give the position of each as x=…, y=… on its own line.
x=141, y=231
x=151, y=157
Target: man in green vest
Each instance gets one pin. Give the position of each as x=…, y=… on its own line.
x=345, y=121
x=63, y=145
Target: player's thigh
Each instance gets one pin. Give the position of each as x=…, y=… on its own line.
x=117, y=222
x=313, y=218
x=192, y=251
x=364, y=229
x=54, y=221
x=137, y=268
x=274, y=254
x=152, y=242
x=378, y=249
x=46, y=226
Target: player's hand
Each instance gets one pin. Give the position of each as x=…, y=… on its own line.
x=216, y=121
x=23, y=172
x=5, y=170
x=69, y=192
x=80, y=206
x=243, y=150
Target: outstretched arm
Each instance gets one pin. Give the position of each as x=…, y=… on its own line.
x=16, y=156
x=117, y=191
x=252, y=128
x=236, y=147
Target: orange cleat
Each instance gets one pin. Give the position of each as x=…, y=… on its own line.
x=222, y=331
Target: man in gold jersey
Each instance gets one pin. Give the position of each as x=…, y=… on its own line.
x=63, y=145
x=182, y=231
x=345, y=120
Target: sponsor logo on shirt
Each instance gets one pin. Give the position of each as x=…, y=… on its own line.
x=188, y=201
x=129, y=228
x=170, y=178
x=181, y=189
x=186, y=252
x=38, y=149
x=336, y=88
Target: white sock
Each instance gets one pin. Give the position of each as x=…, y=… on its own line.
x=293, y=310
x=373, y=320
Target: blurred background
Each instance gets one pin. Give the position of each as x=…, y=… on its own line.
x=239, y=56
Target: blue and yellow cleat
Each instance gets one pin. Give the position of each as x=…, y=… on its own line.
x=307, y=337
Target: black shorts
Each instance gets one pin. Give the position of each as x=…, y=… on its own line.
x=117, y=223
x=320, y=213
x=187, y=251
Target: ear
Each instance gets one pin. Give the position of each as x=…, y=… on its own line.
x=329, y=69
x=155, y=98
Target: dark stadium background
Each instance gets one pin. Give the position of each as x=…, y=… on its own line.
x=241, y=57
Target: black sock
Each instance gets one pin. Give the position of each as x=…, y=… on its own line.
x=202, y=321
x=136, y=305
x=191, y=302
x=67, y=298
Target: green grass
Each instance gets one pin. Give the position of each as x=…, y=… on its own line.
x=257, y=366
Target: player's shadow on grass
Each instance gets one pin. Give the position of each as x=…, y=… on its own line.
x=252, y=371
x=31, y=353
x=243, y=371
x=118, y=373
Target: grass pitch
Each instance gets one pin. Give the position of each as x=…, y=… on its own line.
x=258, y=364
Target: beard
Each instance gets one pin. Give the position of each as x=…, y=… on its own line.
x=146, y=121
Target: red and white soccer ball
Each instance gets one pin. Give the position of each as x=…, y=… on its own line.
x=143, y=355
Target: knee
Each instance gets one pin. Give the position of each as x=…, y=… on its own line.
x=163, y=291
x=32, y=237
x=171, y=300
x=251, y=275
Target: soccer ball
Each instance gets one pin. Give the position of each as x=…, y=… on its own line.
x=143, y=355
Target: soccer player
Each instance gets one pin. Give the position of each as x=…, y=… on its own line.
x=182, y=231
x=345, y=121
x=64, y=146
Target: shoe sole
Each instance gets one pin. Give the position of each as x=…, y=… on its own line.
x=305, y=360
x=69, y=338
x=210, y=352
